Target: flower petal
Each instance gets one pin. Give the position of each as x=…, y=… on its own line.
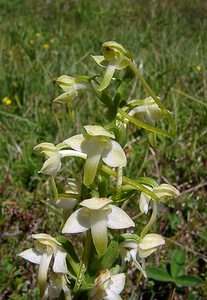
x=95, y=203
x=96, y=130
x=133, y=254
x=94, y=151
x=75, y=141
x=100, y=60
x=52, y=165
x=112, y=296
x=31, y=255
x=118, y=282
x=77, y=222
x=99, y=231
x=151, y=240
x=59, y=265
x=144, y=202
x=107, y=77
x=145, y=253
x=165, y=190
x=42, y=272
x=118, y=219
x=114, y=156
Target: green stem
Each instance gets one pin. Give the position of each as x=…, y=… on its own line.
x=152, y=94
x=151, y=221
x=84, y=263
x=54, y=188
x=126, y=180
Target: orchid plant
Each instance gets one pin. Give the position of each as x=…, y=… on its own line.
x=98, y=269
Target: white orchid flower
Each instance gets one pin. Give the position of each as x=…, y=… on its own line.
x=147, y=110
x=107, y=286
x=97, y=214
x=68, y=200
x=115, y=57
x=57, y=283
x=97, y=144
x=132, y=250
x=46, y=250
x=163, y=191
x=70, y=85
x=54, y=154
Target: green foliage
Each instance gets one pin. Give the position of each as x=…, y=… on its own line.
x=176, y=274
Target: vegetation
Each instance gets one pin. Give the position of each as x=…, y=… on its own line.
x=43, y=40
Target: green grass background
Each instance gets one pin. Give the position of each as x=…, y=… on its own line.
x=169, y=39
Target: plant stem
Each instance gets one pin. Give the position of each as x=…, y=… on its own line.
x=152, y=94
x=54, y=188
x=84, y=263
x=151, y=221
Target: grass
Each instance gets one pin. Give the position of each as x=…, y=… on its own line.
x=41, y=40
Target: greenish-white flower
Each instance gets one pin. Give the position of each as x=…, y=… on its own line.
x=146, y=110
x=108, y=286
x=97, y=214
x=70, y=86
x=115, y=57
x=57, y=283
x=53, y=155
x=163, y=192
x=97, y=143
x=68, y=200
x=46, y=251
x=140, y=250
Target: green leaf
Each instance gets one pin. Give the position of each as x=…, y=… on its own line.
x=106, y=261
x=159, y=274
x=143, y=124
x=177, y=267
x=188, y=280
x=147, y=181
x=109, y=256
x=179, y=256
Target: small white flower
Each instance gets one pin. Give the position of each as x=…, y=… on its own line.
x=68, y=200
x=97, y=214
x=163, y=191
x=115, y=57
x=97, y=144
x=57, y=283
x=148, y=244
x=54, y=154
x=148, y=110
x=70, y=85
x=46, y=248
x=107, y=286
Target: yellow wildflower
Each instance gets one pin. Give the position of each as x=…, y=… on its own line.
x=198, y=68
x=31, y=42
x=6, y=101
x=45, y=46
x=37, y=34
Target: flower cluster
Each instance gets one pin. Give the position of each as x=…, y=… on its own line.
x=99, y=269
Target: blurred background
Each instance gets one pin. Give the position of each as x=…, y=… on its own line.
x=43, y=39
